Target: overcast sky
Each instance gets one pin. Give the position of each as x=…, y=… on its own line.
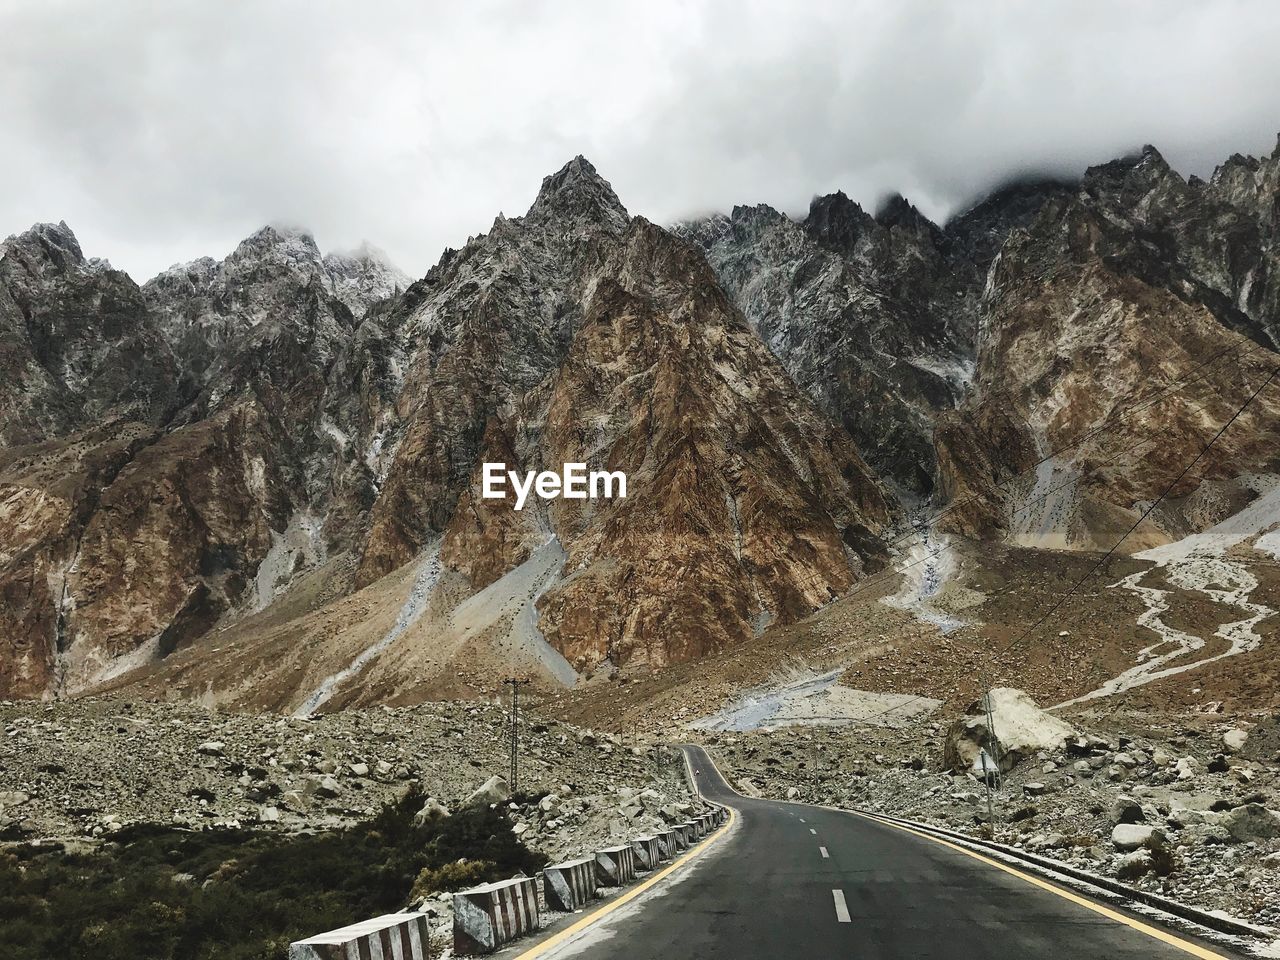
x=164, y=131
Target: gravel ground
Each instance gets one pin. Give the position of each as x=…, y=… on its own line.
x=86, y=768
x=78, y=772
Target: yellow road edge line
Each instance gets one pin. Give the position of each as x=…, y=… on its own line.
x=1155, y=932
x=607, y=908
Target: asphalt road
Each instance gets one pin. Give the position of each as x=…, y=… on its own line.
x=804, y=882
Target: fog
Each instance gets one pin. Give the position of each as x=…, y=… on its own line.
x=163, y=132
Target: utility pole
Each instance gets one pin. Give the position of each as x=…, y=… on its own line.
x=991, y=762
x=515, y=683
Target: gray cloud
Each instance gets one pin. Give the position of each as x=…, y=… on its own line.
x=165, y=131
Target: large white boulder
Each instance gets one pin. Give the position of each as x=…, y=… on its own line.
x=1022, y=729
x=494, y=790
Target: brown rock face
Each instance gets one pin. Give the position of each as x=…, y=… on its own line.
x=1075, y=344
x=286, y=449
x=137, y=505
x=743, y=505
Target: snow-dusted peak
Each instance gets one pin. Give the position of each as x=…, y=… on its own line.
x=361, y=277
x=46, y=245
x=278, y=244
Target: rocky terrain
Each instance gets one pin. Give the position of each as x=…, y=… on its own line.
x=1187, y=805
x=83, y=771
x=171, y=453
x=876, y=317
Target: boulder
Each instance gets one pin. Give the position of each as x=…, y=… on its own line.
x=433, y=809
x=1126, y=810
x=1133, y=836
x=1253, y=821
x=1134, y=865
x=1022, y=729
x=1234, y=740
x=493, y=790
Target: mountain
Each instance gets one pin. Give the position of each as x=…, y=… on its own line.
x=1097, y=312
x=171, y=445
x=257, y=481
x=874, y=316
x=309, y=436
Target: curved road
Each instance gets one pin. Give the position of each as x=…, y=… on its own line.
x=804, y=882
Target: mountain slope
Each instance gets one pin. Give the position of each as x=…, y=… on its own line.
x=177, y=439
x=280, y=504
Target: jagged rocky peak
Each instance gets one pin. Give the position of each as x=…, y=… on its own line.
x=364, y=276
x=577, y=192
x=978, y=233
x=837, y=222
x=283, y=244
x=1250, y=183
x=50, y=246
x=1132, y=178
x=898, y=211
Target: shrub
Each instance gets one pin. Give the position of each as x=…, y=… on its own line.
x=252, y=893
x=452, y=876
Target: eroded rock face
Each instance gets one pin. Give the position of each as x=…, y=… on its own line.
x=744, y=506
x=576, y=334
x=486, y=325
x=873, y=316
x=1089, y=328
x=78, y=348
x=175, y=456
x=169, y=439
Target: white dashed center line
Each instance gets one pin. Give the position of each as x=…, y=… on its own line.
x=823, y=851
x=842, y=909
x=813, y=831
